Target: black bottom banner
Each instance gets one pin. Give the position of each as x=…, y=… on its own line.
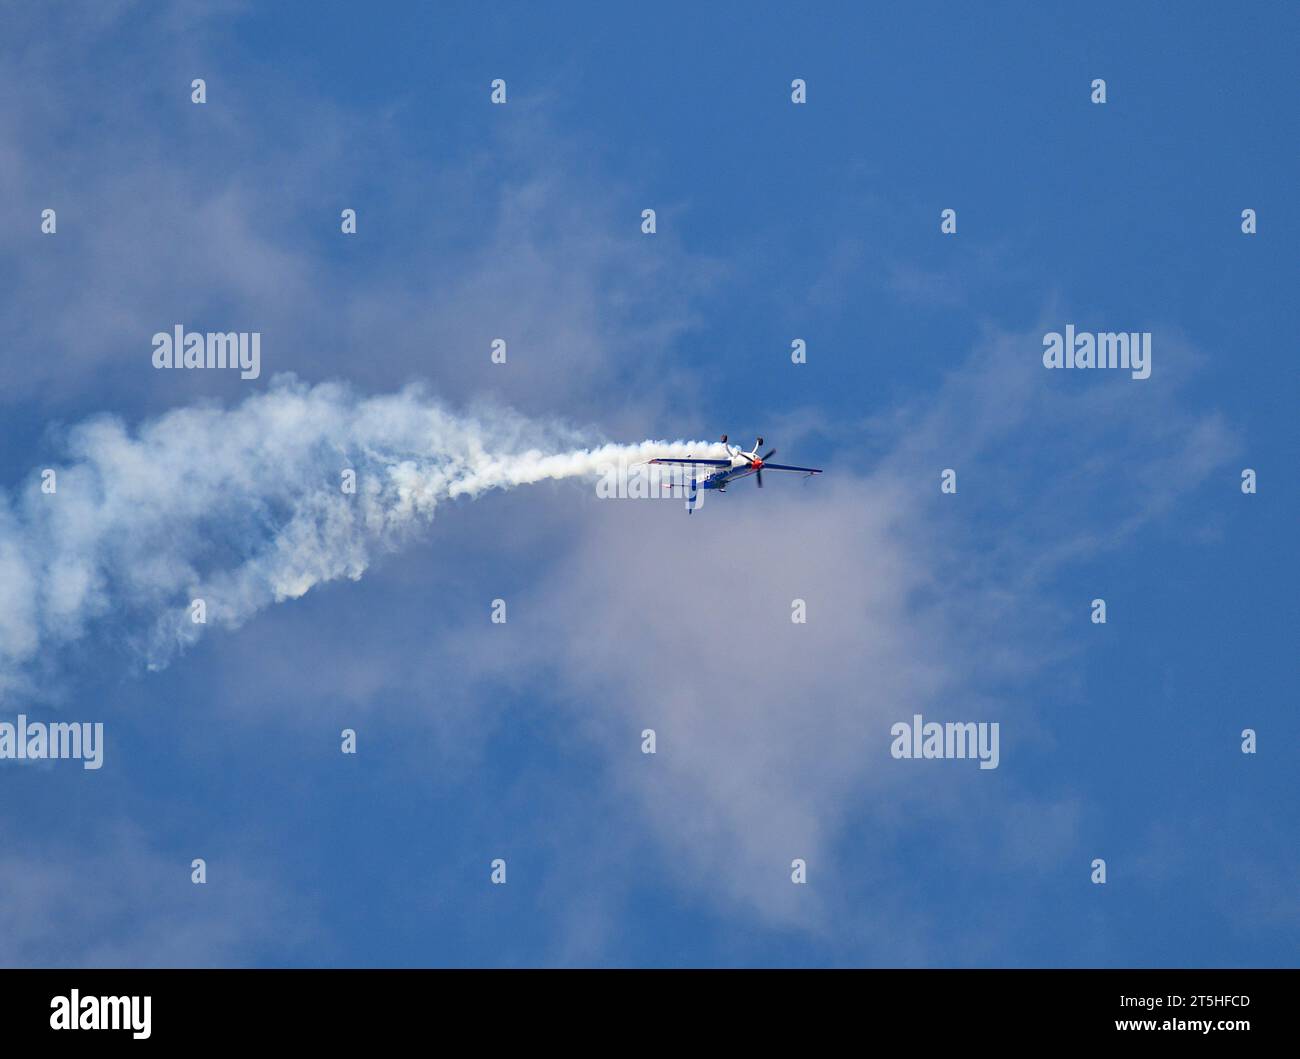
x=614, y=1008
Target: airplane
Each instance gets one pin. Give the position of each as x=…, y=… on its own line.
x=739, y=464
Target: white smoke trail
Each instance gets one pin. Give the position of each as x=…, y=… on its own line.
x=243, y=507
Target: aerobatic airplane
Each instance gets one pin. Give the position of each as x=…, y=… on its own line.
x=739, y=464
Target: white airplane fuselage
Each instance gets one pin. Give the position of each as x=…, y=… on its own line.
x=738, y=464
x=743, y=464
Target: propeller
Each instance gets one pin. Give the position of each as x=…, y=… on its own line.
x=758, y=474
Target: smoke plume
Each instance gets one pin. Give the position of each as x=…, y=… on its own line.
x=243, y=507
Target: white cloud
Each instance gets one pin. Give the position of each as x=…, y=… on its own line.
x=773, y=736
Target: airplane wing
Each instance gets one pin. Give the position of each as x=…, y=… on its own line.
x=714, y=463
x=787, y=467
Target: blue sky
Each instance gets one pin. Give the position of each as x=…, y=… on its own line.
x=775, y=222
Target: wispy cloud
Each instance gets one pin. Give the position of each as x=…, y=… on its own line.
x=117, y=901
x=773, y=736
